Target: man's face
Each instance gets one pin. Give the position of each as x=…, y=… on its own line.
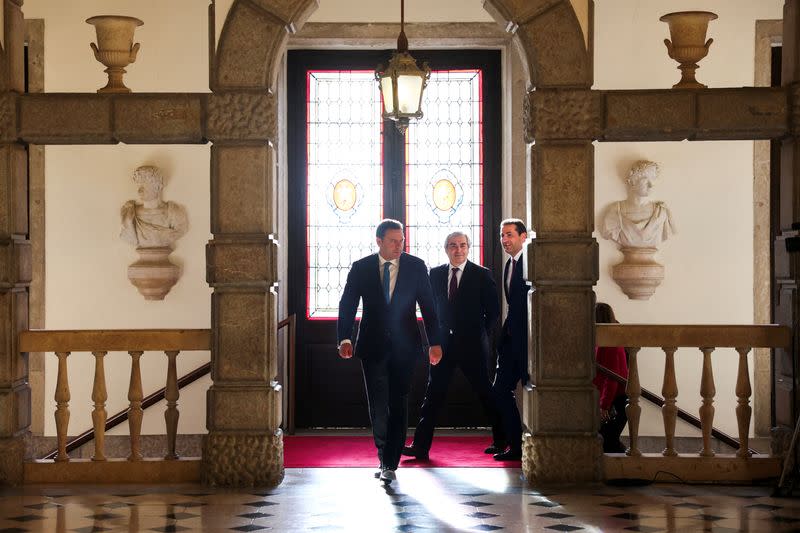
x=148, y=192
x=457, y=249
x=511, y=240
x=643, y=186
x=391, y=246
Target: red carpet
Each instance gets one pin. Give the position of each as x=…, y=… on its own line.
x=338, y=451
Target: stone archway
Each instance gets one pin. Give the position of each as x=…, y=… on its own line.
x=244, y=444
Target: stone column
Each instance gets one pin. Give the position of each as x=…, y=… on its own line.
x=786, y=304
x=244, y=446
x=560, y=407
x=15, y=256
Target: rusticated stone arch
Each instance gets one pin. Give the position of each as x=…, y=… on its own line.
x=550, y=38
x=253, y=40
x=255, y=33
x=244, y=445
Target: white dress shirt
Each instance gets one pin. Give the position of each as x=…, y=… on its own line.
x=459, y=273
x=518, y=259
x=392, y=273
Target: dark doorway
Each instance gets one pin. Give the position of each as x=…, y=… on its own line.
x=348, y=169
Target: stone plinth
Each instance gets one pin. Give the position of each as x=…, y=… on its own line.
x=562, y=459
x=153, y=273
x=639, y=274
x=242, y=460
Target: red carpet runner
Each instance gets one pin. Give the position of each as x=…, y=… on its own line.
x=339, y=451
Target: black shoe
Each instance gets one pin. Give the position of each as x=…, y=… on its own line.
x=387, y=476
x=508, y=455
x=494, y=449
x=413, y=451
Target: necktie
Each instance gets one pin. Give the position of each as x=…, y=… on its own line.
x=511, y=274
x=386, y=279
x=451, y=293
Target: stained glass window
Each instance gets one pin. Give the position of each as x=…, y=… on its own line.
x=443, y=177
x=444, y=167
x=345, y=197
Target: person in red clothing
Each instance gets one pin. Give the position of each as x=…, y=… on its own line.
x=612, y=392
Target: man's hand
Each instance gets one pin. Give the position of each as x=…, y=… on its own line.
x=435, y=354
x=605, y=415
x=346, y=350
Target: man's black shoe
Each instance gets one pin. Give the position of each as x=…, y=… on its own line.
x=494, y=449
x=413, y=451
x=508, y=455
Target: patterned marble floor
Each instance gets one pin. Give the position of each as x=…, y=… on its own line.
x=351, y=499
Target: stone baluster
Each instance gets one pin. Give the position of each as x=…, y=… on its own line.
x=707, y=392
x=633, y=410
x=743, y=409
x=135, y=412
x=99, y=415
x=62, y=406
x=171, y=394
x=669, y=411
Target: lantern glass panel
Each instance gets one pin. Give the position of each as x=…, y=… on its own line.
x=409, y=89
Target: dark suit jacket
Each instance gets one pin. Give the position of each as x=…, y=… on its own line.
x=474, y=311
x=515, y=327
x=387, y=327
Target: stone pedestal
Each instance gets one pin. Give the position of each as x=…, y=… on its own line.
x=638, y=275
x=153, y=273
x=242, y=460
x=562, y=459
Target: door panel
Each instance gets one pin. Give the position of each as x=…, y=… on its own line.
x=348, y=169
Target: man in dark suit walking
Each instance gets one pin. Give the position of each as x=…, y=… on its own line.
x=390, y=284
x=467, y=307
x=512, y=358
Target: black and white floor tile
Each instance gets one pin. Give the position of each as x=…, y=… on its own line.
x=351, y=499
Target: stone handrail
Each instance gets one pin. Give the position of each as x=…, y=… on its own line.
x=705, y=338
x=99, y=343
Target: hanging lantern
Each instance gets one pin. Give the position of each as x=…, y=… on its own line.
x=402, y=82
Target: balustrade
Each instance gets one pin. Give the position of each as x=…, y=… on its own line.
x=99, y=343
x=705, y=339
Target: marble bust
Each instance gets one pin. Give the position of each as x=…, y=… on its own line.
x=152, y=226
x=637, y=221
x=151, y=222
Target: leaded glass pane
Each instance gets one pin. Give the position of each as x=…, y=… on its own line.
x=345, y=175
x=444, y=172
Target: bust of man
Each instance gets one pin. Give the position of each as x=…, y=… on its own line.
x=638, y=221
x=151, y=222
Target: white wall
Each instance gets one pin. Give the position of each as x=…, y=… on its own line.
x=708, y=187
x=86, y=269
x=86, y=280
x=174, y=44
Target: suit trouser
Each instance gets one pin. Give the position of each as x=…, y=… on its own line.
x=473, y=366
x=388, y=380
x=511, y=368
